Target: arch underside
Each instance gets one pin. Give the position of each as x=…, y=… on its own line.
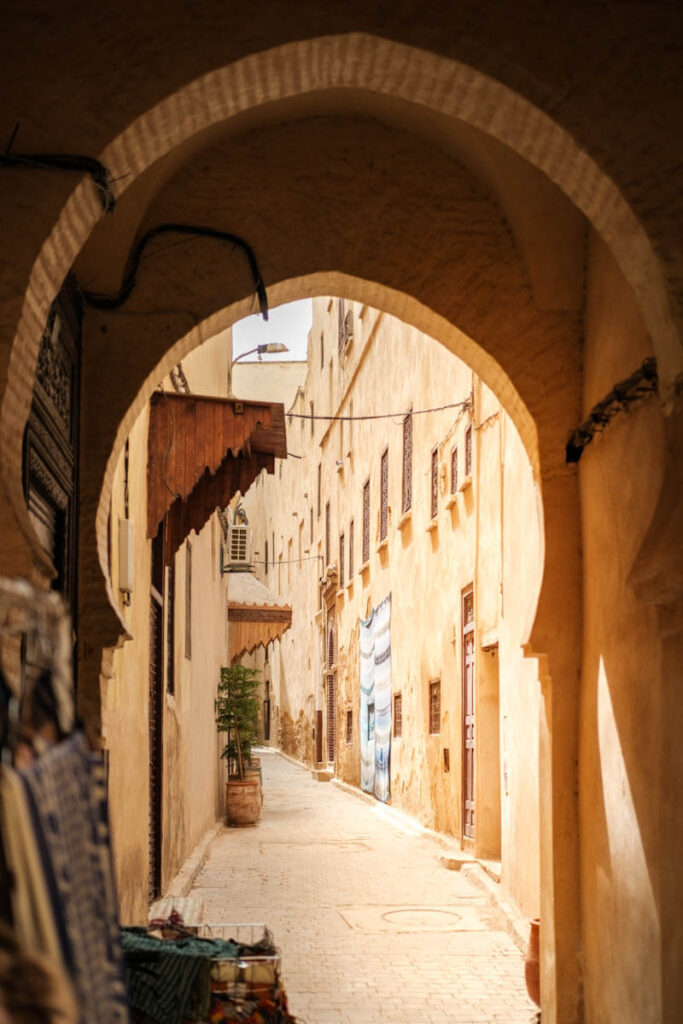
x=398, y=83
x=399, y=176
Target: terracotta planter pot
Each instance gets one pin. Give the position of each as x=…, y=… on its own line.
x=243, y=800
x=254, y=772
x=532, y=967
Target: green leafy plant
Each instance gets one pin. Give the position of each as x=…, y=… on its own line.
x=237, y=712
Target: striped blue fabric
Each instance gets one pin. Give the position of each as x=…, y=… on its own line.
x=375, y=701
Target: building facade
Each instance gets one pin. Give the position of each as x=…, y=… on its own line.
x=432, y=514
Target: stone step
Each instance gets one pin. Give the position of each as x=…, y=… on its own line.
x=321, y=775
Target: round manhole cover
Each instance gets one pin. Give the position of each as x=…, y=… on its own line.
x=422, y=918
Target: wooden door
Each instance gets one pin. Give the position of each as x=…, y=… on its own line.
x=156, y=705
x=468, y=713
x=331, y=684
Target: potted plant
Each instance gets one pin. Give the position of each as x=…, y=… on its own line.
x=237, y=712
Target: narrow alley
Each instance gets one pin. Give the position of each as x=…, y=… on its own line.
x=370, y=925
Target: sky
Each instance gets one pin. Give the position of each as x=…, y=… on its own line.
x=289, y=324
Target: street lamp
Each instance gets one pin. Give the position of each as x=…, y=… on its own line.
x=271, y=347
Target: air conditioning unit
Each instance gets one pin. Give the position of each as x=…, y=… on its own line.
x=239, y=547
x=348, y=328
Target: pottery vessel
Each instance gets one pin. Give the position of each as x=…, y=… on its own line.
x=532, y=972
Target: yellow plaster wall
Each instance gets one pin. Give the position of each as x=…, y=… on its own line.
x=192, y=772
x=425, y=564
x=621, y=710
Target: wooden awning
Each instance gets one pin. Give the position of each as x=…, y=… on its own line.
x=255, y=615
x=201, y=450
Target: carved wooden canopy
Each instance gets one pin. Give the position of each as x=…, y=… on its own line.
x=201, y=450
x=255, y=615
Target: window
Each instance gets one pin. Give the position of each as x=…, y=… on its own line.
x=434, y=478
x=170, y=630
x=342, y=325
x=435, y=706
x=188, y=600
x=327, y=534
x=398, y=714
x=349, y=430
x=366, y=521
x=349, y=726
x=341, y=559
x=320, y=487
x=454, y=470
x=407, y=490
x=351, y=550
x=468, y=451
x=384, y=495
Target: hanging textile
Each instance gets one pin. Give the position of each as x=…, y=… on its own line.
x=66, y=794
x=375, y=701
x=32, y=913
x=367, y=701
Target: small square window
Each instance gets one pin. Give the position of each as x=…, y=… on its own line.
x=398, y=714
x=454, y=470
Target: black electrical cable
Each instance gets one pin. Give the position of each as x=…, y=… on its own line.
x=103, y=301
x=381, y=415
x=63, y=162
x=644, y=381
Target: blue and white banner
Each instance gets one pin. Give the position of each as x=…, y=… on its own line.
x=375, y=700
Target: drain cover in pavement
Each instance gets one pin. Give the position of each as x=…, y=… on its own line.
x=387, y=919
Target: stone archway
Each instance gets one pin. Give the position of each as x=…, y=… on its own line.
x=288, y=74
x=241, y=96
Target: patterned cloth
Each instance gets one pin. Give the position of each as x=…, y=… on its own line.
x=375, y=701
x=66, y=794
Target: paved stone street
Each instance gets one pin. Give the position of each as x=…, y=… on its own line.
x=371, y=927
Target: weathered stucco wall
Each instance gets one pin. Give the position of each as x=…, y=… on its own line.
x=191, y=773
x=622, y=709
x=485, y=534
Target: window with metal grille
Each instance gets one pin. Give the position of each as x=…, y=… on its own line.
x=320, y=487
x=188, y=600
x=327, y=533
x=407, y=493
x=384, y=495
x=468, y=451
x=435, y=706
x=398, y=714
x=342, y=325
x=434, y=484
x=366, y=521
x=170, y=629
x=351, y=550
x=468, y=609
x=454, y=470
x=331, y=650
x=349, y=726
x=341, y=559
